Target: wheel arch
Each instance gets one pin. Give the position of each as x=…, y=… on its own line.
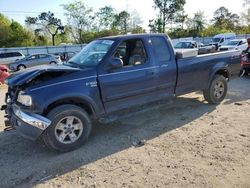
x=223, y=71
x=84, y=103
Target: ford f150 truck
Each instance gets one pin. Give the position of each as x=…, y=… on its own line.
x=58, y=103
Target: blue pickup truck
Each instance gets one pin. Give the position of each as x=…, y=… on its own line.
x=60, y=102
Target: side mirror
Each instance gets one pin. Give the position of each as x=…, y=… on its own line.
x=116, y=63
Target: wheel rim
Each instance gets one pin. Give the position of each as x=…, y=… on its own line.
x=68, y=130
x=21, y=67
x=219, y=89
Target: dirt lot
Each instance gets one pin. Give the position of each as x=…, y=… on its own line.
x=186, y=143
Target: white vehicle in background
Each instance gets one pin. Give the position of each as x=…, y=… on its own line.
x=236, y=44
x=221, y=39
x=196, y=46
x=187, y=48
x=10, y=57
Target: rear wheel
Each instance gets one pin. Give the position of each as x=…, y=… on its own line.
x=217, y=90
x=53, y=63
x=70, y=128
x=21, y=67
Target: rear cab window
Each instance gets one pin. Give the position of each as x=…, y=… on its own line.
x=160, y=50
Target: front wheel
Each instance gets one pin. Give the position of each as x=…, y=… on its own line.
x=20, y=67
x=53, y=63
x=70, y=128
x=217, y=90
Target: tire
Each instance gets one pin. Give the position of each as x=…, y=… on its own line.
x=217, y=90
x=60, y=135
x=53, y=63
x=21, y=67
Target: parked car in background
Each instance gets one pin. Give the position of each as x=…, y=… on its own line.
x=34, y=60
x=236, y=44
x=65, y=56
x=3, y=73
x=201, y=48
x=220, y=39
x=205, y=49
x=186, y=45
x=10, y=57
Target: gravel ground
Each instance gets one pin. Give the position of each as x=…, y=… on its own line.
x=185, y=143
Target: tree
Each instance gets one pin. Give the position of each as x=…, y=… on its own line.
x=122, y=21
x=247, y=2
x=135, y=20
x=225, y=19
x=197, y=23
x=155, y=25
x=138, y=29
x=46, y=22
x=12, y=34
x=168, y=9
x=106, y=17
x=181, y=18
x=246, y=13
x=80, y=19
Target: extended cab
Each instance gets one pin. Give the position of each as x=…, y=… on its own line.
x=58, y=103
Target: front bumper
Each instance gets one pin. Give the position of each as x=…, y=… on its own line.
x=30, y=125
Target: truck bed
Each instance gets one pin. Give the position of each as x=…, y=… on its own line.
x=194, y=72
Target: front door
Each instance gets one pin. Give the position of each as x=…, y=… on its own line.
x=32, y=60
x=132, y=84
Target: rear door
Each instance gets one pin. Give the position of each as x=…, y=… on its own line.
x=133, y=84
x=164, y=58
x=32, y=61
x=44, y=59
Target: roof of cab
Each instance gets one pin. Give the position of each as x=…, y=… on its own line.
x=131, y=36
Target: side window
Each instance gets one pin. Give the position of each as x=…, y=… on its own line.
x=8, y=55
x=32, y=57
x=43, y=56
x=2, y=56
x=17, y=54
x=131, y=52
x=160, y=49
x=222, y=40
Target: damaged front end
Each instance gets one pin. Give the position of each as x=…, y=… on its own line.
x=21, y=111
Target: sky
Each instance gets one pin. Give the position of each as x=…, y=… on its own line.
x=19, y=9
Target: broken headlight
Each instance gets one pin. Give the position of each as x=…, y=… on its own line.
x=24, y=99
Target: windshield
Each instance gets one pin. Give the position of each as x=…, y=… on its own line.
x=91, y=54
x=233, y=43
x=185, y=45
x=216, y=39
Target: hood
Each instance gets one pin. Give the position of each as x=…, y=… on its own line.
x=27, y=75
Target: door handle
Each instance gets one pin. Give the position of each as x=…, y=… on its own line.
x=164, y=65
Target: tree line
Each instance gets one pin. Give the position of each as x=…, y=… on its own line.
x=84, y=24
